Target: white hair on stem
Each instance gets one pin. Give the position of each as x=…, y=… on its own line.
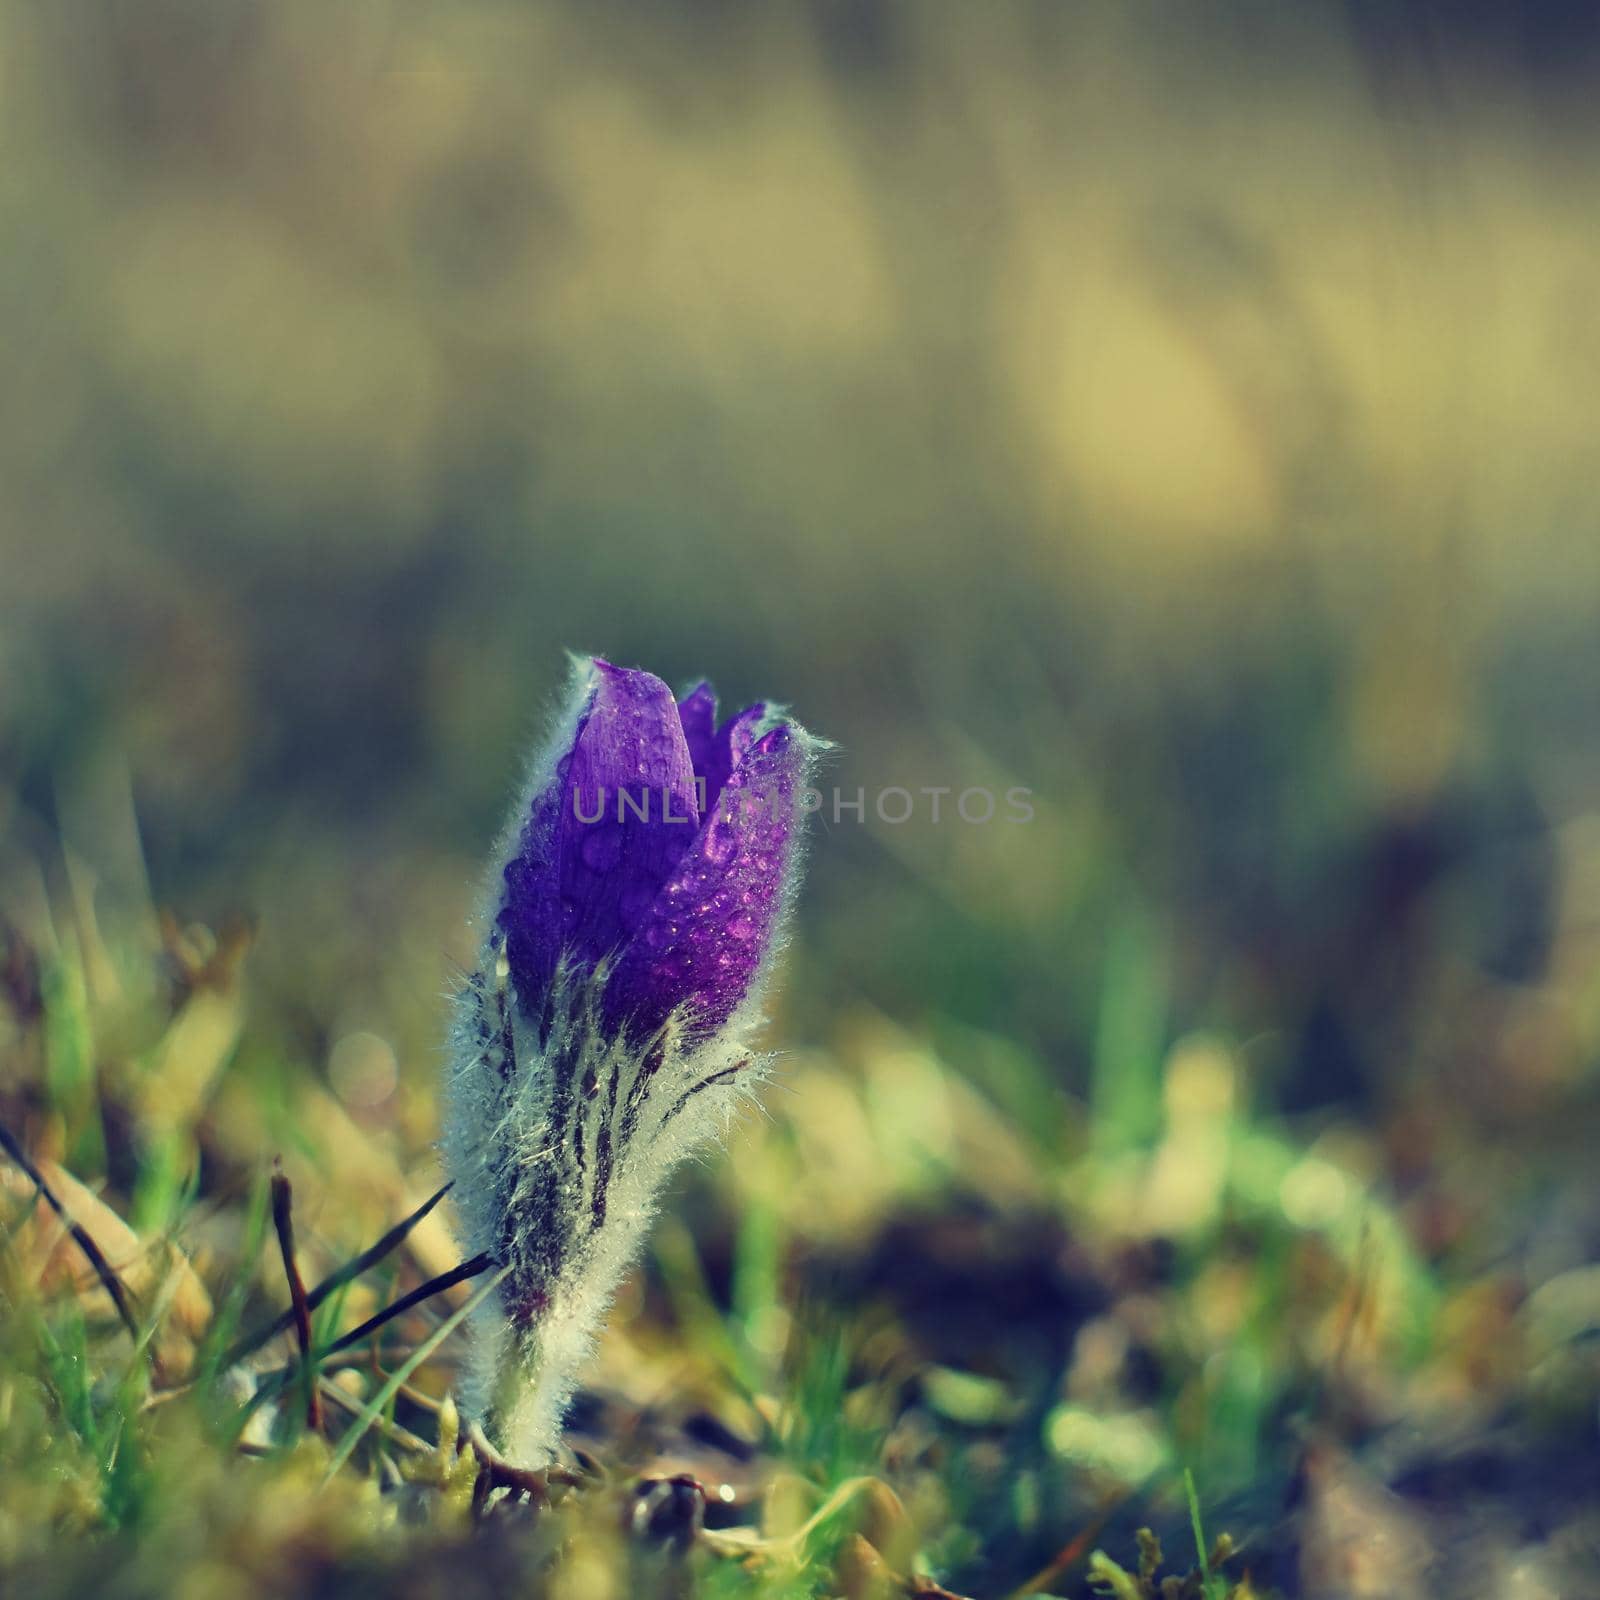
x=558, y=1153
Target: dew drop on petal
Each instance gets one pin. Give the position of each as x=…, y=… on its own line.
x=721, y=843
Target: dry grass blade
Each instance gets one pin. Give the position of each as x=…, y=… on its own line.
x=353, y=1268
x=103, y=1269
x=275, y=1383
x=446, y=1280
x=283, y=1222
x=392, y=1431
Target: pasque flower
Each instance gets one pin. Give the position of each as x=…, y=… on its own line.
x=636, y=903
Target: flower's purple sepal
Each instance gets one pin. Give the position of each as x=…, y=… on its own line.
x=701, y=943
x=733, y=742
x=697, y=712
x=603, y=833
x=660, y=844
x=628, y=813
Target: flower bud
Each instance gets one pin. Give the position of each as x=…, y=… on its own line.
x=637, y=901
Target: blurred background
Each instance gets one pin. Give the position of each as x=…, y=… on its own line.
x=1186, y=413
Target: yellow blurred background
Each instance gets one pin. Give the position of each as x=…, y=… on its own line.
x=1184, y=412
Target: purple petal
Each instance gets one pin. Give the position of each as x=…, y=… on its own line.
x=697, y=711
x=729, y=747
x=530, y=910
x=708, y=931
x=612, y=868
x=578, y=887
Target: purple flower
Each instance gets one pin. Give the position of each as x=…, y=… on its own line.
x=604, y=1035
x=656, y=852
